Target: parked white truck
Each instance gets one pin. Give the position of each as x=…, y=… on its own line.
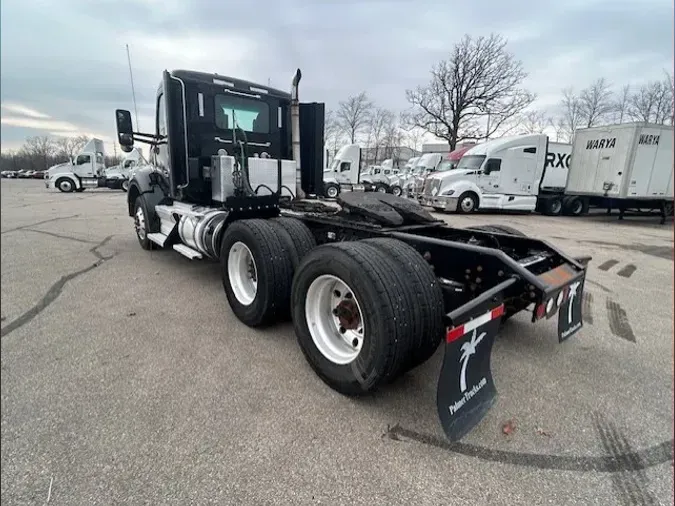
x=88, y=170
x=626, y=166
x=518, y=173
x=344, y=174
x=124, y=170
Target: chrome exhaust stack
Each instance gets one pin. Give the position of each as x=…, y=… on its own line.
x=295, y=134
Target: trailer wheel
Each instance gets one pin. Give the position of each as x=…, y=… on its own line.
x=256, y=270
x=65, y=184
x=552, y=206
x=351, y=317
x=427, y=319
x=396, y=190
x=142, y=223
x=331, y=190
x=574, y=206
x=467, y=203
x=301, y=237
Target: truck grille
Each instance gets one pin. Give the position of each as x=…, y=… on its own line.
x=431, y=184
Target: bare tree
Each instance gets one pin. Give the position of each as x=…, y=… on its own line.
x=571, y=112
x=596, y=102
x=621, y=104
x=480, y=83
x=334, y=136
x=533, y=122
x=558, y=125
x=653, y=102
x=392, y=140
x=353, y=115
x=70, y=146
x=40, y=149
x=413, y=135
x=378, y=122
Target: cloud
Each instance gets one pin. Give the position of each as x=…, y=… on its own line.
x=22, y=110
x=342, y=46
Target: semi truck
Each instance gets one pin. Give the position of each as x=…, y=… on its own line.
x=372, y=282
x=430, y=163
x=516, y=173
x=122, y=172
x=626, y=166
x=344, y=174
x=88, y=170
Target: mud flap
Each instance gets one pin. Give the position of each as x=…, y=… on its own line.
x=465, y=388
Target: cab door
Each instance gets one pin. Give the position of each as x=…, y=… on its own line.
x=489, y=179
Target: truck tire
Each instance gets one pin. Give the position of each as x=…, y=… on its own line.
x=427, y=319
x=125, y=185
x=574, y=206
x=352, y=317
x=381, y=187
x=552, y=206
x=143, y=223
x=467, y=203
x=65, y=184
x=331, y=190
x=256, y=270
x=301, y=237
x=499, y=229
x=396, y=190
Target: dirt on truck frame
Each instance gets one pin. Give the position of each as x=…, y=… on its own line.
x=373, y=283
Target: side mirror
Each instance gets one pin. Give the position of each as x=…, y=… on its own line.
x=125, y=131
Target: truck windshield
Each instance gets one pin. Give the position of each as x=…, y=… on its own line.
x=447, y=165
x=471, y=162
x=251, y=115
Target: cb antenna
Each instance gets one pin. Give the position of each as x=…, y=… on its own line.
x=133, y=91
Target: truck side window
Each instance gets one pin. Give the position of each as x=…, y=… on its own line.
x=82, y=159
x=493, y=165
x=530, y=150
x=161, y=116
x=345, y=166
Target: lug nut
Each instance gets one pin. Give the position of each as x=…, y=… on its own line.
x=479, y=268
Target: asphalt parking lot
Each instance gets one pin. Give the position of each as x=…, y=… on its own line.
x=126, y=379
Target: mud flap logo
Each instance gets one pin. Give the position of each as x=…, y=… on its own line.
x=570, y=317
x=465, y=388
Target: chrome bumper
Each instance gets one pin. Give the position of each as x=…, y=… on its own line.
x=441, y=202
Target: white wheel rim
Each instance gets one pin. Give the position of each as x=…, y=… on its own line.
x=556, y=207
x=243, y=273
x=334, y=319
x=140, y=223
x=396, y=191
x=125, y=185
x=65, y=185
x=577, y=207
x=382, y=189
x=467, y=204
x=332, y=191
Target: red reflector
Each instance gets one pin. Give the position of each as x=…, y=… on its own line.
x=454, y=334
x=457, y=332
x=541, y=310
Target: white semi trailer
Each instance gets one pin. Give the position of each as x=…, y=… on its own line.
x=626, y=166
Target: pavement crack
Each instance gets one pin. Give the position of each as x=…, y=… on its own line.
x=56, y=289
x=61, y=236
x=38, y=223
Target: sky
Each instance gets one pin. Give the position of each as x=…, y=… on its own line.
x=64, y=70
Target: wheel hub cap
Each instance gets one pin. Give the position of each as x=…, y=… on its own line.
x=334, y=319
